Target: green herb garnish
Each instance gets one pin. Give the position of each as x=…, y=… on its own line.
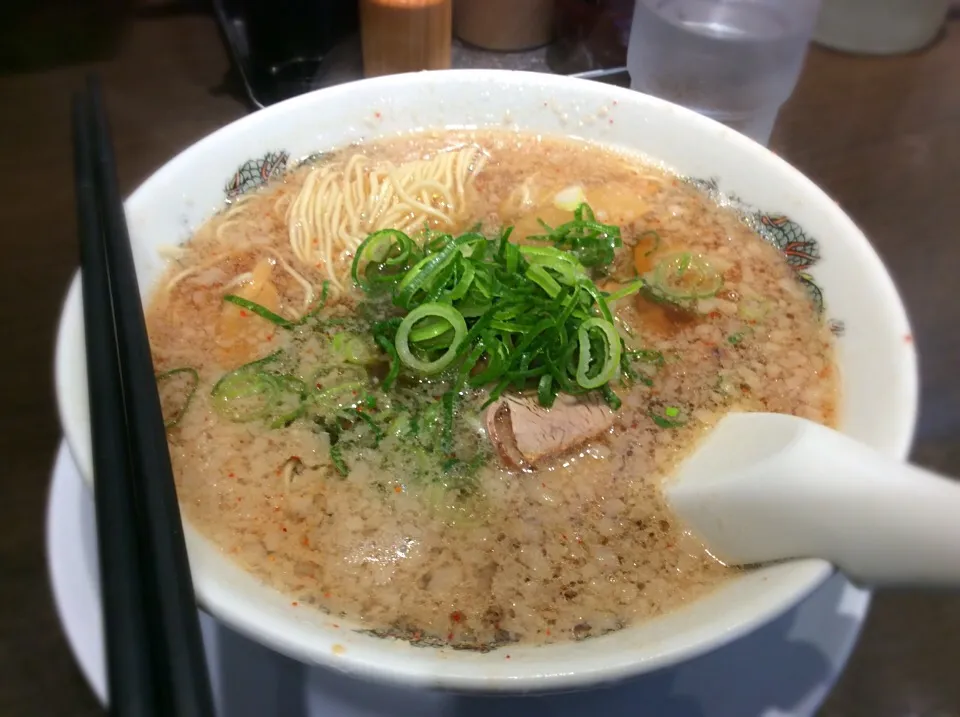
x=193, y=379
x=667, y=417
x=531, y=314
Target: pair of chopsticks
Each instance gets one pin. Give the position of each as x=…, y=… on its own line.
x=155, y=658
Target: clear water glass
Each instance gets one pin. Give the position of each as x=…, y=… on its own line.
x=736, y=61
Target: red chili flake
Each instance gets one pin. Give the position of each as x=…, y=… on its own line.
x=294, y=603
x=543, y=485
x=294, y=458
x=449, y=636
x=304, y=541
x=507, y=657
x=456, y=616
x=548, y=632
x=398, y=489
x=319, y=385
x=239, y=498
x=283, y=529
x=270, y=337
x=714, y=314
x=378, y=114
x=327, y=594
x=231, y=475
x=579, y=539
x=634, y=424
x=242, y=312
x=611, y=120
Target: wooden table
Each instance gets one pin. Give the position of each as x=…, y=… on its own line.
x=881, y=135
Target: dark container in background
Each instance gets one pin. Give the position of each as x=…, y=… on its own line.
x=282, y=43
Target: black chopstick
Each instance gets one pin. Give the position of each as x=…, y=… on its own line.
x=176, y=672
x=132, y=683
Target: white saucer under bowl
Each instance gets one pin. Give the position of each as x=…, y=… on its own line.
x=784, y=669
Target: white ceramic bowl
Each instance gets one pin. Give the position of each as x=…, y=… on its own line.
x=876, y=357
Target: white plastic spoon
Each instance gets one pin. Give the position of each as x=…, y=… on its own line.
x=764, y=487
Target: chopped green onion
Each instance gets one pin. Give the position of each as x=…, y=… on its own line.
x=336, y=457
x=626, y=290
x=384, y=251
x=656, y=240
x=194, y=381
x=591, y=242
x=358, y=415
x=259, y=310
x=276, y=319
x=546, y=393
x=448, y=401
x=289, y=404
x=612, y=399
x=648, y=356
x=442, y=311
x=670, y=417
x=541, y=277
x=501, y=315
x=684, y=276
x=350, y=348
x=328, y=401
x=610, y=357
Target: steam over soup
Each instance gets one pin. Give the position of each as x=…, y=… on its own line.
x=434, y=384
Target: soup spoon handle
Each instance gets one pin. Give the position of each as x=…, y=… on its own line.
x=766, y=487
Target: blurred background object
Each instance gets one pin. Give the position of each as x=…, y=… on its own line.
x=279, y=50
x=591, y=35
x=504, y=25
x=736, y=61
x=880, y=27
x=279, y=46
x=405, y=35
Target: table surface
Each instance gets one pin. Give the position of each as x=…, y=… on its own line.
x=881, y=135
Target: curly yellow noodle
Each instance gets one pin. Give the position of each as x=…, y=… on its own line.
x=340, y=203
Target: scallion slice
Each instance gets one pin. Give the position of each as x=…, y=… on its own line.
x=588, y=375
x=442, y=311
x=193, y=379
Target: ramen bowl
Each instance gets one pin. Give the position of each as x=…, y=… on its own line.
x=875, y=357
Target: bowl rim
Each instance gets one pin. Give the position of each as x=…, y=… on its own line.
x=391, y=669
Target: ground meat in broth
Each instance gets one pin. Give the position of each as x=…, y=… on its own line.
x=580, y=546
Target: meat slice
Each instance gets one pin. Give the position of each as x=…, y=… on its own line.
x=523, y=432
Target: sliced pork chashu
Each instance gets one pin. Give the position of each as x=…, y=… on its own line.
x=523, y=432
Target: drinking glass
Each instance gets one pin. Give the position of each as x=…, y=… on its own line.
x=736, y=61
